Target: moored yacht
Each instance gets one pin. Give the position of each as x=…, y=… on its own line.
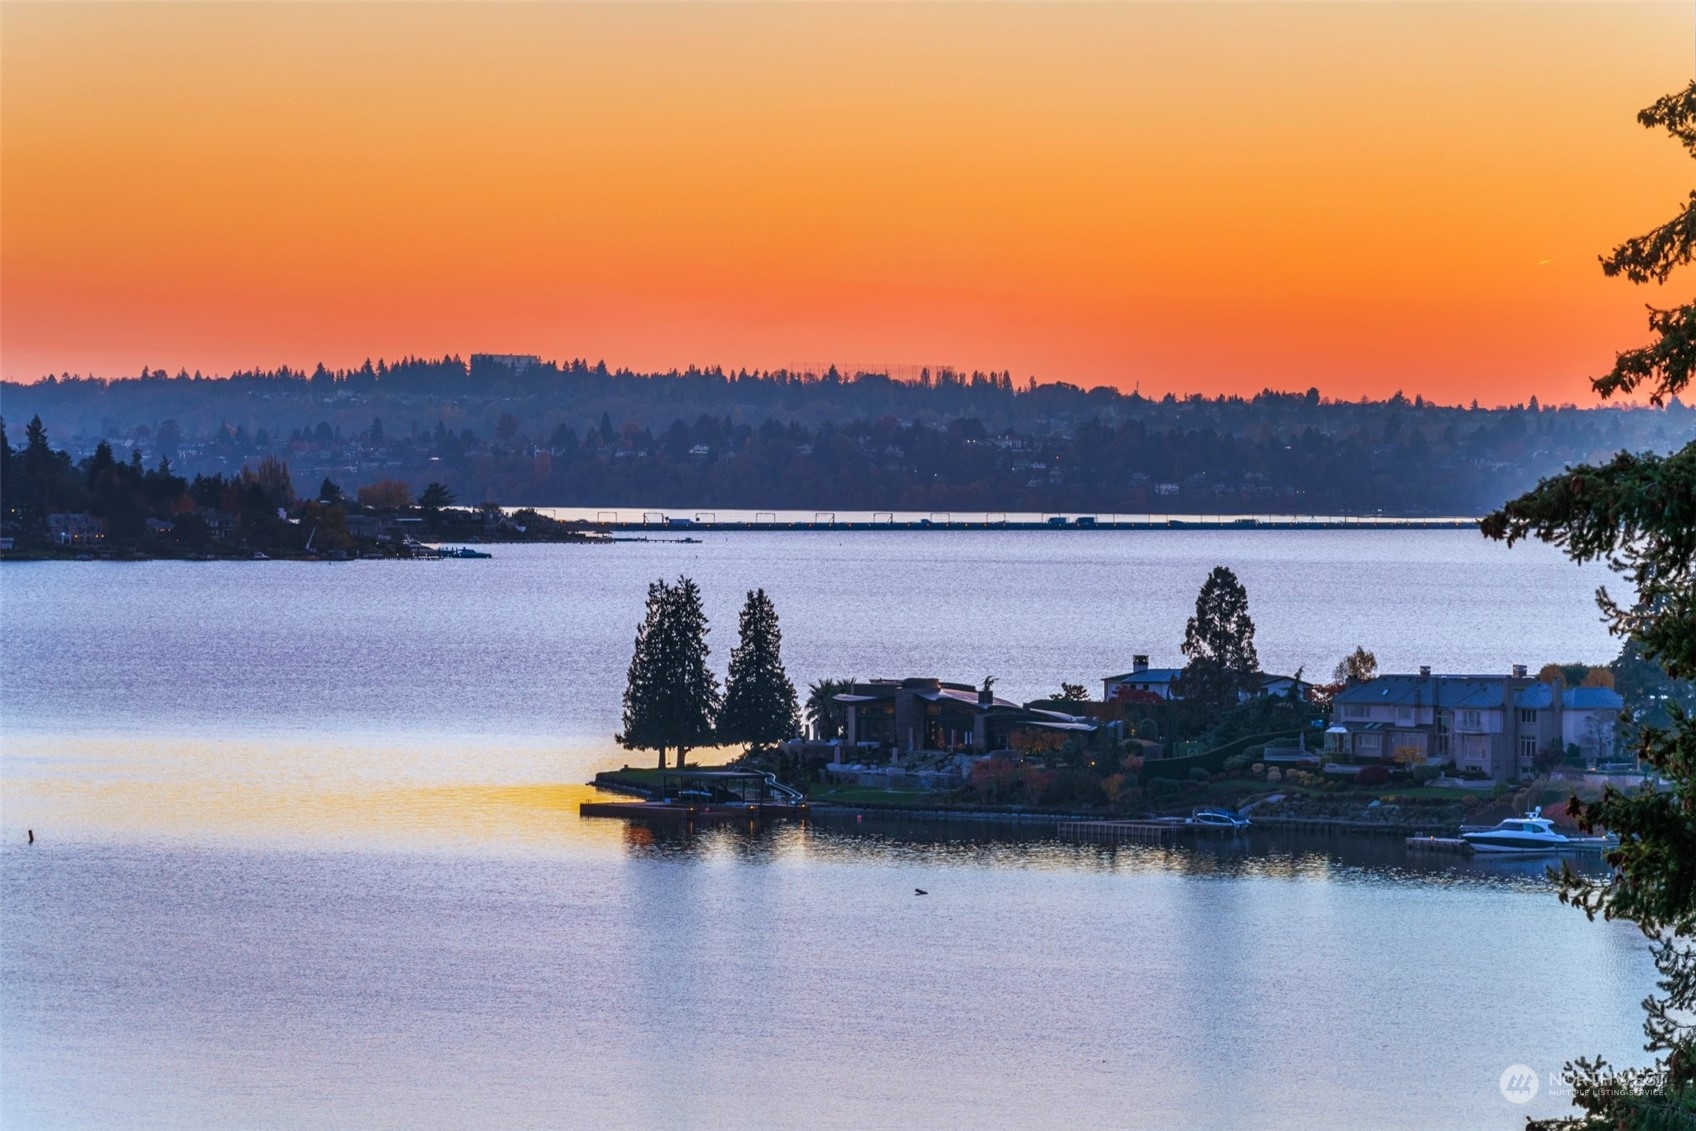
x=1530, y=833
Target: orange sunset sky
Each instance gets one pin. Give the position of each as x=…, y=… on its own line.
x=1210, y=198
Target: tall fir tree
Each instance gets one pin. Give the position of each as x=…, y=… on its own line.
x=8, y=483
x=760, y=706
x=671, y=699
x=1219, y=643
x=1638, y=514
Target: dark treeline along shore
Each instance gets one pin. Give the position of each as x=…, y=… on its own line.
x=521, y=430
x=52, y=506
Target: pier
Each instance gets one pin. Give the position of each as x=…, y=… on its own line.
x=1449, y=844
x=670, y=812
x=1168, y=830
x=649, y=522
x=690, y=797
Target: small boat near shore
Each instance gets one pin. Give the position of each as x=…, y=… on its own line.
x=1222, y=819
x=463, y=552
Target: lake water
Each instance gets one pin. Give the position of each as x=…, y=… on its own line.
x=308, y=854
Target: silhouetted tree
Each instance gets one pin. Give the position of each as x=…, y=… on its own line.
x=385, y=495
x=435, y=497
x=825, y=715
x=1219, y=643
x=759, y=701
x=671, y=698
x=1638, y=514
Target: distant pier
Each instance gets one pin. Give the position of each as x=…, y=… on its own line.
x=708, y=522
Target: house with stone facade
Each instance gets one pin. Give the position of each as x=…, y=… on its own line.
x=1496, y=726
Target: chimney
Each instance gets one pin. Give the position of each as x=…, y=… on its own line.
x=1139, y=663
x=1519, y=671
x=986, y=698
x=1425, y=670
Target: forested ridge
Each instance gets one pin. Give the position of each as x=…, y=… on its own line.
x=525, y=431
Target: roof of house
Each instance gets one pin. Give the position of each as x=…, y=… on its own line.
x=1592, y=698
x=1171, y=675
x=1447, y=691
x=885, y=691
x=1542, y=695
x=1147, y=675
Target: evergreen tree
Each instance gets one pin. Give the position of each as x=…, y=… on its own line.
x=671, y=699
x=1219, y=643
x=38, y=454
x=1638, y=513
x=436, y=496
x=8, y=484
x=760, y=707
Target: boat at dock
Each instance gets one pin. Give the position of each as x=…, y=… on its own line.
x=1223, y=820
x=463, y=552
x=694, y=797
x=1530, y=833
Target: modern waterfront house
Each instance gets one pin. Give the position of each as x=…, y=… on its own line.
x=1493, y=725
x=909, y=715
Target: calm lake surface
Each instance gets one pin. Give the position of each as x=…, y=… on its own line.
x=309, y=856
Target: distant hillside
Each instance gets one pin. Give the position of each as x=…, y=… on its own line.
x=523, y=431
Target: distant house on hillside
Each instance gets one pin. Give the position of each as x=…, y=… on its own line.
x=78, y=529
x=1494, y=725
x=516, y=362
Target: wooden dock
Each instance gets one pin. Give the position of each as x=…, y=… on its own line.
x=1157, y=831
x=1452, y=844
x=665, y=812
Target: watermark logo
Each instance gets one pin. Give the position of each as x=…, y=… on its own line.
x=1519, y=1084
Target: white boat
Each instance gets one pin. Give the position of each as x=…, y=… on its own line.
x=1530, y=833
x=1216, y=819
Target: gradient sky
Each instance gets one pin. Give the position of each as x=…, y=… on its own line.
x=1190, y=197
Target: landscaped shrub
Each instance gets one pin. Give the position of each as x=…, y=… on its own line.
x=1372, y=775
x=1198, y=774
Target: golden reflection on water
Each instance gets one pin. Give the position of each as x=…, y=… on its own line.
x=327, y=796
x=378, y=795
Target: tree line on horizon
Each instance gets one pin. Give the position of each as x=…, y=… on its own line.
x=1403, y=460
